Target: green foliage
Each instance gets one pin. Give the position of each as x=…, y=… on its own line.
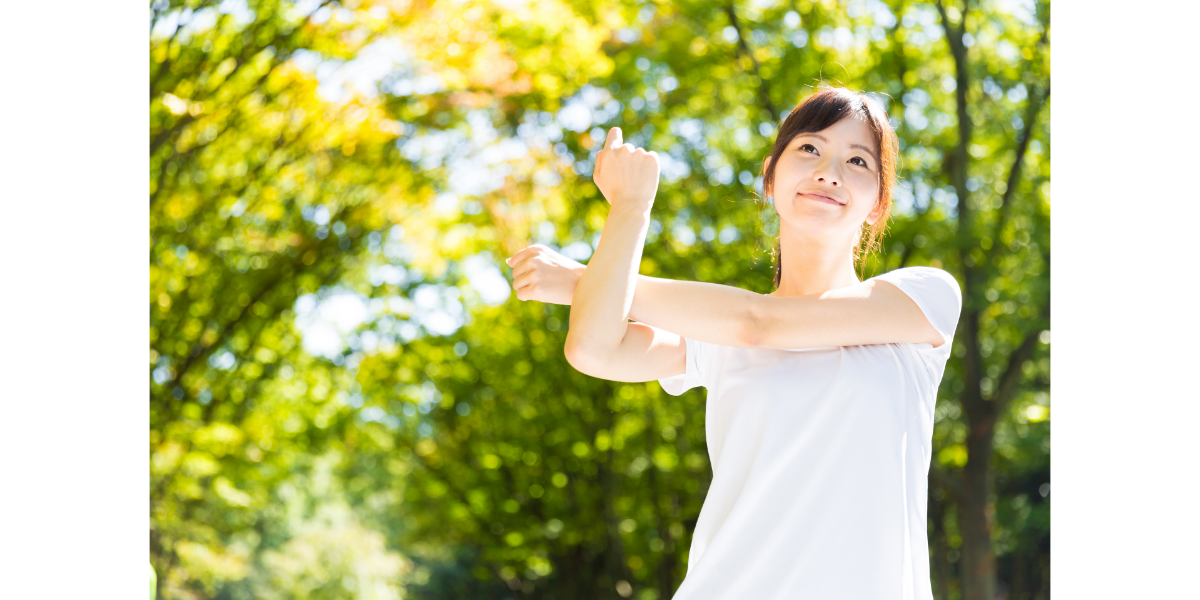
x=472, y=461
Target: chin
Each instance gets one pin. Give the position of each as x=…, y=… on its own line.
x=824, y=227
x=807, y=216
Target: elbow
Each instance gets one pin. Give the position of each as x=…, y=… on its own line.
x=751, y=327
x=579, y=357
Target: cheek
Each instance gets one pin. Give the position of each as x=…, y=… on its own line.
x=865, y=191
x=789, y=172
x=866, y=185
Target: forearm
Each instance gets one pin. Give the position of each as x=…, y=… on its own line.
x=604, y=296
x=709, y=312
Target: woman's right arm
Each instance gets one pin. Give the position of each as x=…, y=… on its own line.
x=601, y=341
x=540, y=273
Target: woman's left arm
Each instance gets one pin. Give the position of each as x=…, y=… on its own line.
x=870, y=312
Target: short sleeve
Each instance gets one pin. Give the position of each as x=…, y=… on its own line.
x=938, y=295
x=693, y=373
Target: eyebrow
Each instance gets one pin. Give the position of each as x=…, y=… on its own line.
x=859, y=146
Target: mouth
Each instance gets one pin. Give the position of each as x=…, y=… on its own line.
x=823, y=198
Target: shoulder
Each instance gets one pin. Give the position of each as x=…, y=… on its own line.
x=918, y=273
x=924, y=280
x=936, y=292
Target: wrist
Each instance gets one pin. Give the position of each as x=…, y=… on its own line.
x=631, y=211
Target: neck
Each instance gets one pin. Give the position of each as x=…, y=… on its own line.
x=813, y=266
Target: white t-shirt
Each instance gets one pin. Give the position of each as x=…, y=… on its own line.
x=820, y=462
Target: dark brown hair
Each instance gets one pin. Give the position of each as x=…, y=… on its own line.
x=821, y=111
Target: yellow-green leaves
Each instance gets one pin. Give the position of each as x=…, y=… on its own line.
x=281, y=469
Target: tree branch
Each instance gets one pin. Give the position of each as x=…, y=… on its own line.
x=906, y=255
x=901, y=62
x=202, y=350
x=764, y=94
x=949, y=27
x=1009, y=381
x=242, y=59
x=157, y=141
x=959, y=51
x=165, y=65
x=964, y=241
x=290, y=268
x=1032, y=108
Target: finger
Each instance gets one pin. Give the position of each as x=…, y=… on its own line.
x=521, y=269
x=518, y=291
x=614, y=139
x=521, y=256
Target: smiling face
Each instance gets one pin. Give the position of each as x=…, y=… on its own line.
x=827, y=183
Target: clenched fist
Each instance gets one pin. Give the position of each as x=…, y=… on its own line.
x=542, y=274
x=627, y=176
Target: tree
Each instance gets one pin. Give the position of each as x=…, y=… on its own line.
x=445, y=418
x=260, y=193
x=988, y=271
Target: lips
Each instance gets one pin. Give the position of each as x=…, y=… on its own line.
x=823, y=198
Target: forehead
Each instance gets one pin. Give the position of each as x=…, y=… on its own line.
x=852, y=129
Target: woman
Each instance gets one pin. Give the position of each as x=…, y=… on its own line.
x=819, y=417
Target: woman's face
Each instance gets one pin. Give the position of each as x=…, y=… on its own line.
x=827, y=183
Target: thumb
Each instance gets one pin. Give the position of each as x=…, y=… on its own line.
x=614, y=138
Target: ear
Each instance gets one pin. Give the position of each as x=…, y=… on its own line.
x=874, y=214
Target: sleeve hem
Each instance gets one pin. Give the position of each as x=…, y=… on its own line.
x=678, y=384
x=918, y=283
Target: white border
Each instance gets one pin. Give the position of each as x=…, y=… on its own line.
x=73, y=188
x=1126, y=406
x=74, y=183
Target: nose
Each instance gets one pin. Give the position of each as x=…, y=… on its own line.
x=825, y=173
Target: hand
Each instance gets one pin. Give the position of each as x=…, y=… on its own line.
x=627, y=176
x=542, y=274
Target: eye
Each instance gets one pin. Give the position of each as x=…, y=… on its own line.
x=803, y=147
x=861, y=162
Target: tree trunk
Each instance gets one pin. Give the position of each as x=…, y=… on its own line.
x=975, y=514
x=978, y=565
x=940, y=567
x=1019, y=582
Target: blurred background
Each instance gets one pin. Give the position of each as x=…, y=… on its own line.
x=347, y=400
